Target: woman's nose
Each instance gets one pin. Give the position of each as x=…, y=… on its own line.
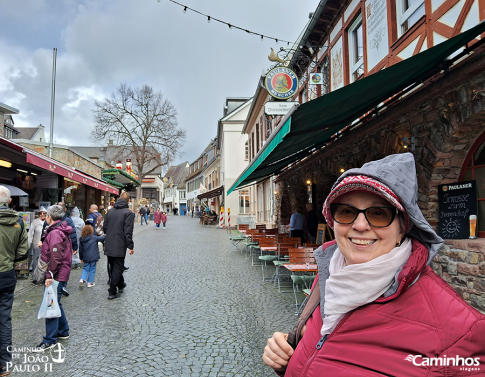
x=361, y=223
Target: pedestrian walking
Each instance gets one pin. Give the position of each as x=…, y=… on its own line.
x=192, y=211
x=118, y=227
x=383, y=304
x=35, y=234
x=89, y=254
x=14, y=247
x=57, y=252
x=147, y=213
x=143, y=212
x=95, y=219
x=69, y=222
x=164, y=219
x=78, y=227
x=157, y=218
x=175, y=211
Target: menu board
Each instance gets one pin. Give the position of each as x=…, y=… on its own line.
x=458, y=209
x=322, y=229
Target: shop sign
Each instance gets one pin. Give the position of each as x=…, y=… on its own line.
x=278, y=108
x=281, y=83
x=458, y=208
x=316, y=79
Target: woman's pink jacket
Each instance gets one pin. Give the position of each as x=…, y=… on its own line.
x=423, y=329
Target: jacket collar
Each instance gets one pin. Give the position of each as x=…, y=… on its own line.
x=404, y=278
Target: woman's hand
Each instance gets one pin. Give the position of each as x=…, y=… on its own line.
x=48, y=282
x=39, y=244
x=277, y=352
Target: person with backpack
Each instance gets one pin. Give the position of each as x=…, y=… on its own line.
x=95, y=219
x=143, y=212
x=15, y=246
x=89, y=254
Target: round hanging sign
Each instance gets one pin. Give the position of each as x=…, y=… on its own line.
x=281, y=83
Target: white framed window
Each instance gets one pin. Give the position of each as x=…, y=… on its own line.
x=181, y=194
x=246, y=151
x=244, y=201
x=356, y=49
x=408, y=13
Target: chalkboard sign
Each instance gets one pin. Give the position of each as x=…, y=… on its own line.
x=458, y=210
x=322, y=229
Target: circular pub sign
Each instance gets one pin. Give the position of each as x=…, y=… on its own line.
x=281, y=83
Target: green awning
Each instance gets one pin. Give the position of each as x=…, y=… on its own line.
x=314, y=122
x=120, y=176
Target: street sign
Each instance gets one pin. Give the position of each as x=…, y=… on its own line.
x=278, y=108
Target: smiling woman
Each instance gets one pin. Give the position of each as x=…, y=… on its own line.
x=378, y=295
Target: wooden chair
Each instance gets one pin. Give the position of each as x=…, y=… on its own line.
x=301, y=256
x=261, y=226
x=314, y=245
x=292, y=240
x=267, y=255
x=283, y=255
x=243, y=227
x=270, y=231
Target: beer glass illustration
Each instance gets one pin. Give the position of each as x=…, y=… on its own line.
x=473, y=226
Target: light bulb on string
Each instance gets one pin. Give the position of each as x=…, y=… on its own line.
x=209, y=19
x=276, y=41
x=261, y=38
x=230, y=26
x=185, y=9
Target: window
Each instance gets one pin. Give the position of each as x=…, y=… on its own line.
x=243, y=201
x=261, y=132
x=268, y=126
x=257, y=138
x=246, y=151
x=252, y=145
x=356, y=50
x=408, y=13
x=181, y=194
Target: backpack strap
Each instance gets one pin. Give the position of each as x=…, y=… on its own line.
x=20, y=220
x=294, y=336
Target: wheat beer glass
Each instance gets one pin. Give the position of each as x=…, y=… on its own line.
x=473, y=226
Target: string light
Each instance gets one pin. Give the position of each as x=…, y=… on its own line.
x=209, y=18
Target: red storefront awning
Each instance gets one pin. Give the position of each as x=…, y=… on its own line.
x=66, y=171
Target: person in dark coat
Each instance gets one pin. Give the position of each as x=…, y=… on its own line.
x=118, y=227
x=89, y=254
x=312, y=222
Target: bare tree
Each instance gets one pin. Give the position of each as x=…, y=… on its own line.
x=143, y=124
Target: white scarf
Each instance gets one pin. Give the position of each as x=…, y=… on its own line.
x=349, y=287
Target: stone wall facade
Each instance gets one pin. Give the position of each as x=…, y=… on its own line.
x=68, y=157
x=446, y=117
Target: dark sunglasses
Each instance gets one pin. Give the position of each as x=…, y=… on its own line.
x=379, y=217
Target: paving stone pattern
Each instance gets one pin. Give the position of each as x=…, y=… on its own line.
x=191, y=308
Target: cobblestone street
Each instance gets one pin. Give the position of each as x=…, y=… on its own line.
x=191, y=308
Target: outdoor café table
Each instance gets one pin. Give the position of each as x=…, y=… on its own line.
x=312, y=267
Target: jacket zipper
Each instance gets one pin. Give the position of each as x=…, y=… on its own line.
x=320, y=344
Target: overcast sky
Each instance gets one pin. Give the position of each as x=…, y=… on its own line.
x=102, y=44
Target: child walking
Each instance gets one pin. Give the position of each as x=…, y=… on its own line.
x=164, y=219
x=89, y=254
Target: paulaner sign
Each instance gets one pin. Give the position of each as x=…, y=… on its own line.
x=278, y=108
x=281, y=83
x=458, y=210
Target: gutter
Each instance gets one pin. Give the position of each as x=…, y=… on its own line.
x=255, y=97
x=309, y=29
